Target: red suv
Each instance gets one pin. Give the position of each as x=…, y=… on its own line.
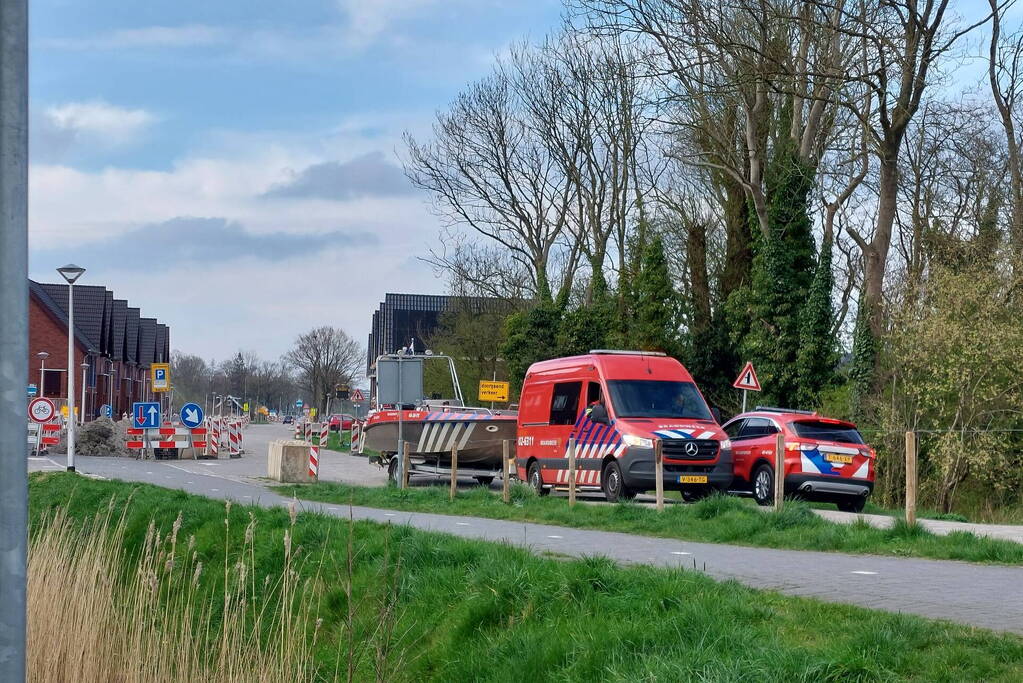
x=825, y=459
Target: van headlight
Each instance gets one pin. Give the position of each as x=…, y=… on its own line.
x=726, y=444
x=637, y=441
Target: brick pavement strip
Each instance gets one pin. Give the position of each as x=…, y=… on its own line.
x=988, y=596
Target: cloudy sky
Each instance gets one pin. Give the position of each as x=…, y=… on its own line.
x=233, y=167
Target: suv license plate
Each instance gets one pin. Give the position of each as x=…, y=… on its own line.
x=833, y=457
x=692, y=479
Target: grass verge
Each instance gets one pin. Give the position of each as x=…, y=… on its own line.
x=442, y=608
x=718, y=519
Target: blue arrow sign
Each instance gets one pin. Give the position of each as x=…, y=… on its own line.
x=145, y=415
x=106, y=411
x=191, y=415
x=298, y=403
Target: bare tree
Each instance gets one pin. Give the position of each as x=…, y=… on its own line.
x=322, y=358
x=485, y=168
x=1005, y=74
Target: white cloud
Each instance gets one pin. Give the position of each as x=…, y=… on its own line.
x=189, y=35
x=99, y=121
x=340, y=284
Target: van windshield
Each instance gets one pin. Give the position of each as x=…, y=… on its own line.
x=656, y=398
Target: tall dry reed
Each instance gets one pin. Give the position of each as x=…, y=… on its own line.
x=94, y=618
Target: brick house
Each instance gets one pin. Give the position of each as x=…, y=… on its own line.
x=115, y=343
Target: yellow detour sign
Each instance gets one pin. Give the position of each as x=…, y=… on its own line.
x=312, y=412
x=493, y=391
x=245, y=406
x=263, y=410
x=160, y=376
x=63, y=410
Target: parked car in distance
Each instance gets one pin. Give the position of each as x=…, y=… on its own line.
x=340, y=422
x=825, y=459
x=288, y=419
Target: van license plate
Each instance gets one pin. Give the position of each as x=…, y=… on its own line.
x=692, y=479
x=833, y=457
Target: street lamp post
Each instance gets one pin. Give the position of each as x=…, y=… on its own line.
x=71, y=273
x=42, y=356
x=81, y=408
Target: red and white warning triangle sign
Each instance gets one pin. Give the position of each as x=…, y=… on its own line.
x=747, y=379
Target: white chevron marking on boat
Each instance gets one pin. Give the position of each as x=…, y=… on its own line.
x=454, y=436
x=427, y=428
x=465, y=437
x=437, y=442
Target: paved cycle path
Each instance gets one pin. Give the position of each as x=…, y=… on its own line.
x=981, y=595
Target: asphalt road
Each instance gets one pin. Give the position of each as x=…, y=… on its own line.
x=981, y=595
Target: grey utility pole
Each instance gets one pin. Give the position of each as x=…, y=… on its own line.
x=13, y=334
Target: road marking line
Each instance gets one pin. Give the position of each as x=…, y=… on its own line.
x=214, y=489
x=388, y=514
x=333, y=509
x=555, y=537
x=863, y=572
x=148, y=472
x=679, y=552
x=461, y=524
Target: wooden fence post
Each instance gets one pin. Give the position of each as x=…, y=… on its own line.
x=405, y=462
x=454, y=473
x=659, y=473
x=571, y=472
x=911, y=477
x=506, y=477
x=779, y=471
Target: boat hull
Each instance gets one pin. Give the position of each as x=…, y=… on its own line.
x=432, y=435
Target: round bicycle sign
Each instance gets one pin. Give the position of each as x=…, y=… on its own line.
x=41, y=410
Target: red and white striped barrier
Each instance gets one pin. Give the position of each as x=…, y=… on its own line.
x=314, y=460
x=235, y=438
x=356, y=446
x=213, y=443
x=168, y=436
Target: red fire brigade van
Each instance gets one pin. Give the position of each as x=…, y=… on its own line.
x=614, y=404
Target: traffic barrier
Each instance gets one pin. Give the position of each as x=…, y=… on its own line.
x=213, y=443
x=356, y=445
x=46, y=434
x=235, y=437
x=324, y=434
x=314, y=460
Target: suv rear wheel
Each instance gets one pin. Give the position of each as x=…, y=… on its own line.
x=763, y=485
x=852, y=504
x=613, y=484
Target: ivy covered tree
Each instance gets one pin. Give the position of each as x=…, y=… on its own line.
x=783, y=267
x=817, y=358
x=654, y=303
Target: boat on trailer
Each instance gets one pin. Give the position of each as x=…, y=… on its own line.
x=435, y=428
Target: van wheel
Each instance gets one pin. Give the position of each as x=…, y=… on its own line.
x=613, y=484
x=763, y=485
x=535, y=480
x=852, y=504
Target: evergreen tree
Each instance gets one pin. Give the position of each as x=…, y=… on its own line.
x=817, y=358
x=783, y=268
x=587, y=327
x=654, y=303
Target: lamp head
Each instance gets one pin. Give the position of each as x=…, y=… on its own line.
x=71, y=272
x=43, y=354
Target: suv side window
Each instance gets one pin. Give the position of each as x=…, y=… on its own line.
x=732, y=430
x=593, y=393
x=756, y=427
x=565, y=403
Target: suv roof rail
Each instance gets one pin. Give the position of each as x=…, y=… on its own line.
x=775, y=409
x=622, y=352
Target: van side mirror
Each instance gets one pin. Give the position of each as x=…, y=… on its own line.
x=598, y=414
x=716, y=412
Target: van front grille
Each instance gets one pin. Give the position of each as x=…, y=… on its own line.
x=677, y=449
